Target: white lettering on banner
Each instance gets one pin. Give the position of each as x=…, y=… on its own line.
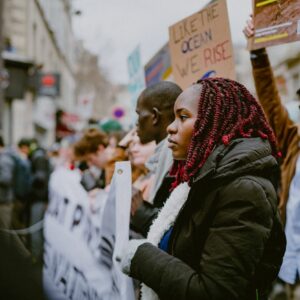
x=80, y=221
x=80, y=242
x=67, y=277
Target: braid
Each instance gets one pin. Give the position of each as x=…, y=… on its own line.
x=226, y=111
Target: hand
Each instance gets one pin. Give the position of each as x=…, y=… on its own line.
x=249, y=28
x=136, y=200
x=129, y=253
x=93, y=193
x=107, y=188
x=92, y=199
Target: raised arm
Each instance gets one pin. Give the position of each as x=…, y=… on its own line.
x=268, y=95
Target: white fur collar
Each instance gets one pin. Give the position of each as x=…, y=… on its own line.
x=162, y=223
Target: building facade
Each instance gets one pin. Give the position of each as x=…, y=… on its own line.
x=39, y=33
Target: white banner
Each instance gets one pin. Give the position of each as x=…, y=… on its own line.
x=115, y=229
x=80, y=238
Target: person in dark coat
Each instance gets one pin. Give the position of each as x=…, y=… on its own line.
x=40, y=174
x=20, y=278
x=7, y=166
x=219, y=235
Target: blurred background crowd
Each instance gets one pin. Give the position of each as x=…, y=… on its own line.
x=60, y=108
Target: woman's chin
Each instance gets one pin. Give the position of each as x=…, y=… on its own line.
x=178, y=156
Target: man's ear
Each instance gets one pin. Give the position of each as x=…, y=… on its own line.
x=156, y=115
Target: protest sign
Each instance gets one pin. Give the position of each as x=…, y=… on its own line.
x=275, y=22
x=75, y=266
x=201, y=45
x=136, y=77
x=115, y=230
x=159, y=67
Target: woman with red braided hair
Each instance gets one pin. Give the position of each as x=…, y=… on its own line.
x=218, y=236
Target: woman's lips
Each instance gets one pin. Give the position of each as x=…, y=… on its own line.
x=172, y=143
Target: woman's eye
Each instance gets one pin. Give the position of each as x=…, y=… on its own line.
x=183, y=117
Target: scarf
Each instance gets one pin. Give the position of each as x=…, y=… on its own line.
x=165, y=219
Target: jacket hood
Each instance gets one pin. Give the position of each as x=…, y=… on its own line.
x=243, y=156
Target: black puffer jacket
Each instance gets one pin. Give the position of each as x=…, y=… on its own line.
x=227, y=241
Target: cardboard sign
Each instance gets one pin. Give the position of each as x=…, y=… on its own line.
x=275, y=22
x=201, y=45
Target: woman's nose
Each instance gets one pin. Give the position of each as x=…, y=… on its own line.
x=134, y=148
x=171, y=129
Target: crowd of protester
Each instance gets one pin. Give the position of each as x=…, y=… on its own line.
x=215, y=183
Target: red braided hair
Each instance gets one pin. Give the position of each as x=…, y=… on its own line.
x=226, y=111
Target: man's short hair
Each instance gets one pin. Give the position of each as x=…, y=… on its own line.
x=161, y=95
x=90, y=142
x=24, y=142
